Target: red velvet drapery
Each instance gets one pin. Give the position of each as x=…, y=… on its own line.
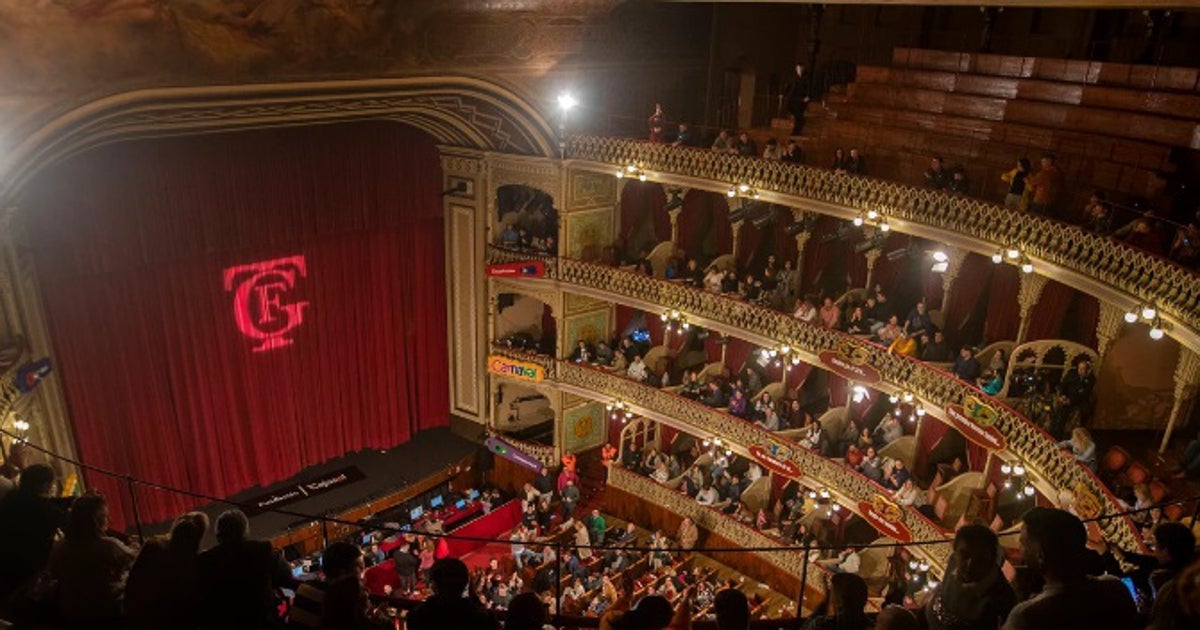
x=641, y=203
x=1003, y=309
x=967, y=290
x=164, y=383
x=1048, y=318
x=704, y=229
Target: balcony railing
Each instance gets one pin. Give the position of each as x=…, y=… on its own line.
x=720, y=524
x=853, y=487
x=1028, y=441
x=1142, y=276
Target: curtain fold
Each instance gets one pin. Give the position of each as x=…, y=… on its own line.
x=1003, y=319
x=133, y=243
x=1048, y=320
x=968, y=289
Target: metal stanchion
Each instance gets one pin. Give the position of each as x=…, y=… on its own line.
x=137, y=519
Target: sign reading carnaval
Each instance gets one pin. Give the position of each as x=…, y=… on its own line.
x=976, y=420
x=886, y=517
x=517, y=369
x=849, y=361
x=776, y=457
x=531, y=269
x=505, y=449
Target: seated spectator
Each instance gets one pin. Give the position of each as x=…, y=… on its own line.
x=1097, y=214
x=1017, y=199
x=745, y=146
x=693, y=275
x=729, y=284
x=805, y=311
x=966, y=366
x=683, y=137
x=845, y=605
x=890, y=331
x=750, y=289
x=991, y=383
x=448, y=607
x=604, y=353
x=527, y=611
x=936, y=176
x=896, y=617
x=723, y=143
x=90, y=567
x=791, y=153
x=905, y=345
x=773, y=151
x=889, y=430
x=839, y=160
x=1054, y=544
x=856, y=164
x=857, y=323
x=238, y=577
x=732, y=610
x=715, y=396
x=895, y=479
x=1144, y=234
x=770, y=420
x=162, y=590
x=854, y=456
x=341, y=600
x=918, y=320
x=29, y=521
x=1185, y=248
x=848, y=561
x=583, y=353
x=831, y=315
x=909, y=495
x=937, y=351
x=737, y=403
x=637, y=369
x=958, y=182
x=871, y=465
x=707, y=495
x=796, y=416
x=974, y=592
x=1082, y=447
x=713, y=279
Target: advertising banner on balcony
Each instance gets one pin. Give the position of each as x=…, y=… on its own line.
x=975, y=421
x=522, y=370
x=850, y=362
x=776, y=457
x=886, y=517
x=503, y=448
x=529, y=269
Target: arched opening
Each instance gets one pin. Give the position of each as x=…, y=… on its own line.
x=525, y=323
x=526, y=219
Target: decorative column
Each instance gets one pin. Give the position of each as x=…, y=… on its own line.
x=737, y=229
x=801, y=241
x=1108, y=327
x=872, y=256
x=673, y=194
x=953, y=267
x=1028, y=296
x=674, y=214
x=1187, y=382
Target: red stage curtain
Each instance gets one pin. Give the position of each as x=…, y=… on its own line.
x=131, y=244
x=1003, y=310
x=1085, y=318
x=1049, y=317
x=967, y=290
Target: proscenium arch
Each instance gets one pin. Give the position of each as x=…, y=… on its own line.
x=458, y=111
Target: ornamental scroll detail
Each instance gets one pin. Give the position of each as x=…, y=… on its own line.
x=1042, y=456
x=1148, y=278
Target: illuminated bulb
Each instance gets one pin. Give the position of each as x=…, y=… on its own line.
x=858, y=221
x=998, y=258
x=1006, y=469
x=1156, y=333
x=812, y=495
x=908, y=397
x=755, y=195
x=1014, y=254
x=774, y=353
x=1149, y=312
x=685, y=324
x=836, y=507
x=785, y=348
x=912, y=564
x=924, y=566
x=1131, y=316
x=795, y=360
x=885, y=227
x=766, y=353
x=920, y=411
x=824, y=493
x=732, y=192
x=743, y=187
x=940, y=256
x=1018, y=470
x=641, y=177
x=940, y=267
x=21, y=425
x=567, y=101
x=675, y=312
x=631, y=168
x=932, y=584
x=894, y=399
x=1029, y=491
x=897, y=412
x=728, y=453
x=664, y=317
x=1007, y=485
x=872, y=215
x=620, y=174
x=1027, y=267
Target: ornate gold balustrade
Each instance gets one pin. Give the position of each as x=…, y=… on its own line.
x=1036, y=448
x=851, y=487
x=1113, y=270
x=714, y=521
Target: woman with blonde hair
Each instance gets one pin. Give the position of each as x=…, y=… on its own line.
x=1082, y=447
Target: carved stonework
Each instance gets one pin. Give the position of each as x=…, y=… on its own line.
x=548, y=297
x=587, y=189
x=467, y=165
x=1108, y=327
x=1028, y=295
x=542, y=174
x=767, y=327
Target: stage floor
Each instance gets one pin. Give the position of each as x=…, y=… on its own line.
x=426, y=454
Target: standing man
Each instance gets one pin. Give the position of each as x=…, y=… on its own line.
x=406, y=563
x=1046, y=186
x=799, y=93
x=570, y=498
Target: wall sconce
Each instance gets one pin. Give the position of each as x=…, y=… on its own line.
x=632, y=171
x=674, y=320
x=618, y=410
x=873, y=217
x=745, y=190
x=1013, y=256
x=822, y=496
x=941, y=262
x=1018, y=480
x=1148, y=314
x=783, y=356
x=715, y=444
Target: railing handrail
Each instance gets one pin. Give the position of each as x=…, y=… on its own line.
x=1144, y=277
x=899, y=372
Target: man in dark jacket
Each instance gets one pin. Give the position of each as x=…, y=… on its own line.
x=238, y=578
x=451, y=606
x=406, y=563
x=29, y=520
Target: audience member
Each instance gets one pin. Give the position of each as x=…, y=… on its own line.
x=958, y=182
x=238, y=577
x=1097, y=214
x=687, y=534
x=406, y=564
x=683, y=138
x=791, y=153
x=839, y=160
x=1045, y=186
x=936, y=176
x=772, y=151
x=966, y=366
x=895, y=617
x=974, y=593
x=90, y=567
x=723, y=143
x=1082, y=447
x=856, y=164
x=163, y=586
x=937, y=351
x=451, y=605
x=732, y=610
x=1016, y=198
x=528, y=612
x=799, y=92
x=1054, y=544
x=657, y=123
x=29, y=520
x=845, y=605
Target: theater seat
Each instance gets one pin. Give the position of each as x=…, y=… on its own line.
x=1116, y=459
x=1159, y=491
x=1136, y=473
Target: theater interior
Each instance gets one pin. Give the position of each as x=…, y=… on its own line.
x=610, y=301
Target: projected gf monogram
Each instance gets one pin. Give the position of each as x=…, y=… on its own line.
x=259, y=306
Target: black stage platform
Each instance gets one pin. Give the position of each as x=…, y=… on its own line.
x=383, y=473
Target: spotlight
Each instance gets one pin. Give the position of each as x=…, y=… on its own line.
x=567, y=102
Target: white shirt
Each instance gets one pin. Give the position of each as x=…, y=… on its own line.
x=707, y=496
x=851, y=563
x=637, y=370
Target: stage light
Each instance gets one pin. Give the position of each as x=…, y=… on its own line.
x=567, y=101
x=1131, y=316
x=1149, y=312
